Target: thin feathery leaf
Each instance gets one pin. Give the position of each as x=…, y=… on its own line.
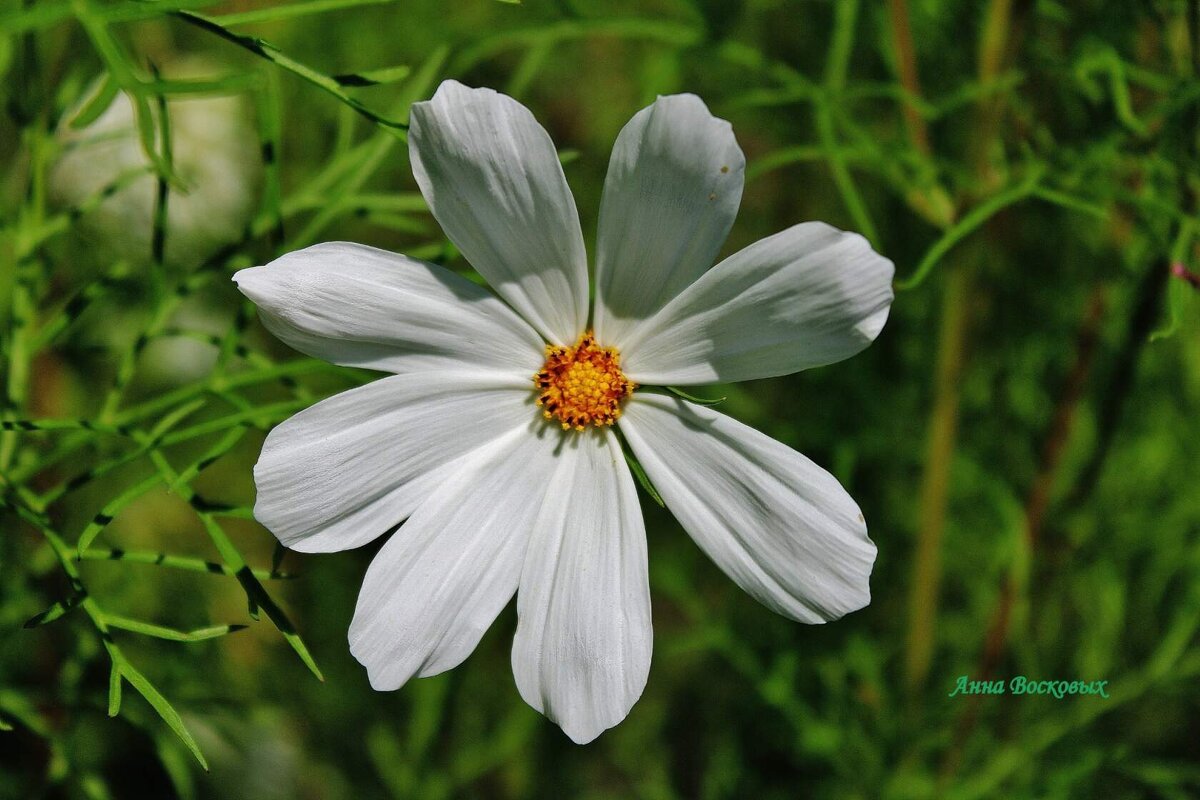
x=171, y=634
x=164, y=709
x=691, y=398
x=266, y=50
x=55, y=611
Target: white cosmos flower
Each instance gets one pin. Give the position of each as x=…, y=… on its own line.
x=498, y=500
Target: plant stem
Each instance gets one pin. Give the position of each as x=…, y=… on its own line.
x=1036, y=506
x=935, y=484
x=906, y=69
x=952, y=346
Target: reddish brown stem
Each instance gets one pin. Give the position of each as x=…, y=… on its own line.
x=1036, y=506
x=906, y=69
x=1186, y=275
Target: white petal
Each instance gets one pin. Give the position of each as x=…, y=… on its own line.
x=492, y=179
x=582, y=650
x=673, y=188
x=777, y=524
x=340, y=473
x=361, y=307
x=440, y=581
x=806, y=297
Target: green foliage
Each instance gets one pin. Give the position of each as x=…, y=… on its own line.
x=1022, y=439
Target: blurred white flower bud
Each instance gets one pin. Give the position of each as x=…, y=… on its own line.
x=215, y=151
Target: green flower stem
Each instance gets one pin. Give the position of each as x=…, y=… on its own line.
x=935, y=483
x=958, y=295
x=836, y=64
x=906, y=69
x=19, y=357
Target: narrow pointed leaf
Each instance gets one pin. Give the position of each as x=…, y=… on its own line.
x=374, y=77
x=639, y=472
x=700, y=401
x=174, y=562
x=114, y=690
x=55, y=611
x=165, y=710
x=257, y=595
x=96, y=104
x=170, y=634
x=111, y=509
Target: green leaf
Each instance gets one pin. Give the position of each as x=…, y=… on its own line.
x=691, y=398
x=257, y=596
x=170, y=634
x=374, y=77
x=114, y=690
x=293, y=10
x=667, y=32
x=277, y=556
x=969, y=223
x=15, y=708
x=160, y=559
x=112, y=508
x=268, y=51
x=55, y=611
x=165, y=710
x=639, y=472
x=1182, y=283
x=158, y=240
x=101, y=98
x=122, y=72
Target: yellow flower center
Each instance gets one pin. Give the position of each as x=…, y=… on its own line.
x=582, y=384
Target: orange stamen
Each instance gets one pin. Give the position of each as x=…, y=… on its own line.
x=582, y=384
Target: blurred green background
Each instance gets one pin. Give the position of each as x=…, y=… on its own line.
x=1023, y=437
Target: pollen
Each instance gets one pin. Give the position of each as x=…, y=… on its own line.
x=582, y=385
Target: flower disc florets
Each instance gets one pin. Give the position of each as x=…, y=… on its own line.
x=582, y=384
